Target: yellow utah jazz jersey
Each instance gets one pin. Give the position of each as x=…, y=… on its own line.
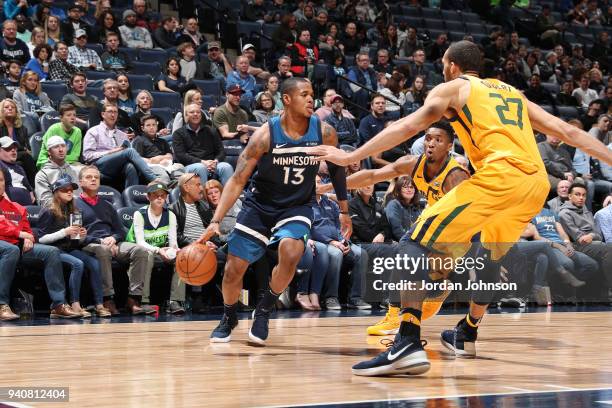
x=432, y=189
x=494, y=125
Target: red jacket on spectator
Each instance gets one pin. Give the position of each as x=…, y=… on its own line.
x=13, y=220
x=299, y=53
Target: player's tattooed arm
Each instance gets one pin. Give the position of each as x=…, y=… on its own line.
x=330, y=137
x=452, y=180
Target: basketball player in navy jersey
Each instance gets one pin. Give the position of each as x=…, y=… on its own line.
x=277, y=209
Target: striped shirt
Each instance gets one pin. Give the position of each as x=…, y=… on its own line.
x=193, y=223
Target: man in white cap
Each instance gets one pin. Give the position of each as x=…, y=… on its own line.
x=18, y=187
x=255, y=68
x=56, y=167
x=81, y=56
x=133, y=36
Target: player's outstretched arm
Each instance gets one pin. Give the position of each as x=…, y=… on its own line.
x=258, y=145
x=548, y=124
x=437, y=103
x=363, y=178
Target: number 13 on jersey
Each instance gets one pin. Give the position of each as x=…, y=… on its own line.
x=295, y=174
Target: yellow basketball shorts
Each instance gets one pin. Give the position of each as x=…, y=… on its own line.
x=497, y=202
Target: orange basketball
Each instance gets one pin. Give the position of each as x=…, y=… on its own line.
x=196, y=264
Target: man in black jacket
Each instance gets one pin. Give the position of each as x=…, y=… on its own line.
x=199, y=148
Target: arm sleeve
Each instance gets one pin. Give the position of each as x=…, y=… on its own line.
x=172, y=236
x=338, y=179
x=139, y=233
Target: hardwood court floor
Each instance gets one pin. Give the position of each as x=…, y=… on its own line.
x=307, y=361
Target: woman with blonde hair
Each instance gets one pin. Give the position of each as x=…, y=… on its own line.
x=38, y=38
x=53, y=30
x=191, y=96
x=29, y=97
x=60, y=227
x=144, y=103
x=11, y=125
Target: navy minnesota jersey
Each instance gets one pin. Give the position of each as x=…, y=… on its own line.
x=285, y=174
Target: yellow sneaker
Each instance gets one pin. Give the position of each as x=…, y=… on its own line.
x=389, y=325
x=431, y=306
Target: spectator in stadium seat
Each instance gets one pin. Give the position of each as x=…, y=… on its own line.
x=350, y=43
x=580, y=225
x=584, y=94
x=403, y=208
x=17, y=243
x=191, y=33
x=199, y=148
x=230, y=119
x=589, y=119
x=393, y=90
x=285, y=35
x=264, y=107
x=601, y=49
x=364, y=75
x=536, y=93
x=549, y=71
x=171, y=80
x=109, y=149
x=529, y=65
x=410, y=43
x=30, y=98
x=79, y=98
x=272, y=86
x=154, y=229
x=241, y=77
x=602, y=130
x=513, y=77
x=55, y=167
x=603, y=219
x=374, y=123
x=144, y=102
x=13, y=77
x=56, y=229
x=110, y=87
x=125, y=100
x=562, y=194
x=557, y=161
x=192, y=96
x=186, y=52
x=70, y=133
x=255, y=68
x=304, y=54
x=345, y=127
x=192, y=211
x=74, y=22
x=11, y=47
x=283, y=69
x=418, y=92
x=383, y=64
x=324, y=111
x=59, y=68
x=565, y=97
x=438, y=48
x=11, y=125
x=105, y=235
x=40, y=63
x=318, y=26
x=18, y=187
x=53, y=32
x=132, y=35
x=114, y=59
x=165, y=36
x=390, y=42
x=37, y=38
x=215, y=65
x=106, y=24
x=155, y=151
x=144, y=17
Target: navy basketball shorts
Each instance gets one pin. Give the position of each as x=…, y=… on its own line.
x=259, y=226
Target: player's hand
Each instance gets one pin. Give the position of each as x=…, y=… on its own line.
x=211, y=231
x=346, y=226
x=331, y=154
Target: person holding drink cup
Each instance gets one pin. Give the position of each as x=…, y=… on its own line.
x=61, y=225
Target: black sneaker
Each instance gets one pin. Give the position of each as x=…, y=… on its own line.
x=404, y=355
x=259, y=330
x=461, y=340
x=223, y=332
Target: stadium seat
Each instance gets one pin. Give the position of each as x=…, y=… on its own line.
x=471, y=17
x=175, y=194
x=455, y=26
x=232, y=147
x=208, y=101
x=141, y=81
x=165, y=113
x=126, y=215
x=131, y=52
x=96, y=47
x=36, y=143
x=247, y=28
x=209, y=86
x=427, y=12
x=54, y=90
x=99, y=75
x=434, y=24
x=380, y=196
x=150, y=68
x=33, y=214
x=475, y=28
x=411, y=11
x=552, y=88
x=451, y=15
x=97, y=92
x=135, y=196
x=48, y=119
x=167, y=100
x=111, y=195
x=568, y=112
x=159, y=56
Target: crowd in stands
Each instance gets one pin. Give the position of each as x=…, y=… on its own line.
x=110, y=112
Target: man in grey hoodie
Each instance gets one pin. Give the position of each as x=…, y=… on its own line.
x=580, y=225
x=53, y=169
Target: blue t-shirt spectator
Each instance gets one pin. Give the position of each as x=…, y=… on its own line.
x=546, y=224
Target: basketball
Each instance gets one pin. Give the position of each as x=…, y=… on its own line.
x=196, y=264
